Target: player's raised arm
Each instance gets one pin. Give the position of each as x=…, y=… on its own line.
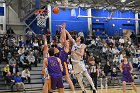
x=69, y=36
x=45, y=64
x=45, y=48
x=63, y=33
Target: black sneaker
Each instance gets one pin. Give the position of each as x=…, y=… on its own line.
x=94, y=91
x=84, y=91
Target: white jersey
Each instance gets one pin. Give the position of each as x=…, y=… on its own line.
x=77, y=48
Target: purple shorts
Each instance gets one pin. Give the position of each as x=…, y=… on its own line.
x=65, y=69
x=56, y=82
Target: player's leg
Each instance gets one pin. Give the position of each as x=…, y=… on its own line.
x=124, y=87
x=45, y=87
x=61, y=90
x=59, y=84
x=85, y=73
x=134, y=86
x=80, y=81
x=67, y=77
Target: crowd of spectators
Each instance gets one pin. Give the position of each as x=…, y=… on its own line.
x=107, y=53
x=18, y=53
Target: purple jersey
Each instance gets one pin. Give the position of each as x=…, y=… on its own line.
x=63, y=55
x=54, y=67
x=126, y=75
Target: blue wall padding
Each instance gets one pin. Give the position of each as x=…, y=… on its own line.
x=37, y=3
x=107, y=25
x=81, y=24
x=73, y=23
x=1, y=11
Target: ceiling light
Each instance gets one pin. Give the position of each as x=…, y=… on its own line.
x=123, y=1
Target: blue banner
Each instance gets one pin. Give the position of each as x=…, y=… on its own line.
x=1, y=11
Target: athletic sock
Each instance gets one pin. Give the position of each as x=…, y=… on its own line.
x=89, y=80
x=80, y=81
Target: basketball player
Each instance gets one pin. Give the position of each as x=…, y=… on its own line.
x=47, y=83
x=63, y=50
x=126, y=70
x=55, y=71
x=77, y=53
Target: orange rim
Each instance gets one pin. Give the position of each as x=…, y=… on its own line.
x=41, y=11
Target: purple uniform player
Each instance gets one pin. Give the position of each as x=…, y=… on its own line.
x=126, y=70
x=126, y=75
x=55, y=71
x=63, y=55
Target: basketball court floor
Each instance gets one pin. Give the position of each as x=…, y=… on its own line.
x=110, y=90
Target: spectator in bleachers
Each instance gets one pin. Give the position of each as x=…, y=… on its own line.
x=9, y=56
x=12, y=61
x=97, y=59
x=93, y=70
x=10, y=80
x=90, y=57
x=107, y=68
x=35, y=44
x=122, y=54
x=18, y=82
x=114, y=73
x=4, y=57
x=116, y=58
x=121, y=41
x=103, y=79
x=135, y=61
x=26, y=75
x=20, y=51
x=132, y=49
x=6, y=70
x=31, y=60
x=127, y=52
x=133, y=37
x=93, y=43
x=36, y=55
x=14, y=69
x=23, y=61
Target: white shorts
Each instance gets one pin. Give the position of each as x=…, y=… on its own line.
x=79, y=67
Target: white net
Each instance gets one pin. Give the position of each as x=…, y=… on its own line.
x=41, y=20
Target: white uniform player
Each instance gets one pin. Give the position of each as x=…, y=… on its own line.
x=79, y=66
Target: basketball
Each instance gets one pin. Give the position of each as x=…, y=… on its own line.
x=55, y=10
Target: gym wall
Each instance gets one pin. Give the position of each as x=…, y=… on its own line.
x=73, y=23
x=107, y=25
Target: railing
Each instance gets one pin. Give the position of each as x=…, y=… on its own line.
x=21, y=37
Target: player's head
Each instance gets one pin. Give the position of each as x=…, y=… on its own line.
x=80, y=39
x=51, y=51
x=125, y=58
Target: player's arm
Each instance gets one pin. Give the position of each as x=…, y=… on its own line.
x=45, y=64
x=69, y=36
x=59, y=61
x=131, y=67
x=45, y=49
x=63, y=35
x=63, y=32
x=121, y=68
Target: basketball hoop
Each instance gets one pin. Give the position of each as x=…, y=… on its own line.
x=42, y=16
